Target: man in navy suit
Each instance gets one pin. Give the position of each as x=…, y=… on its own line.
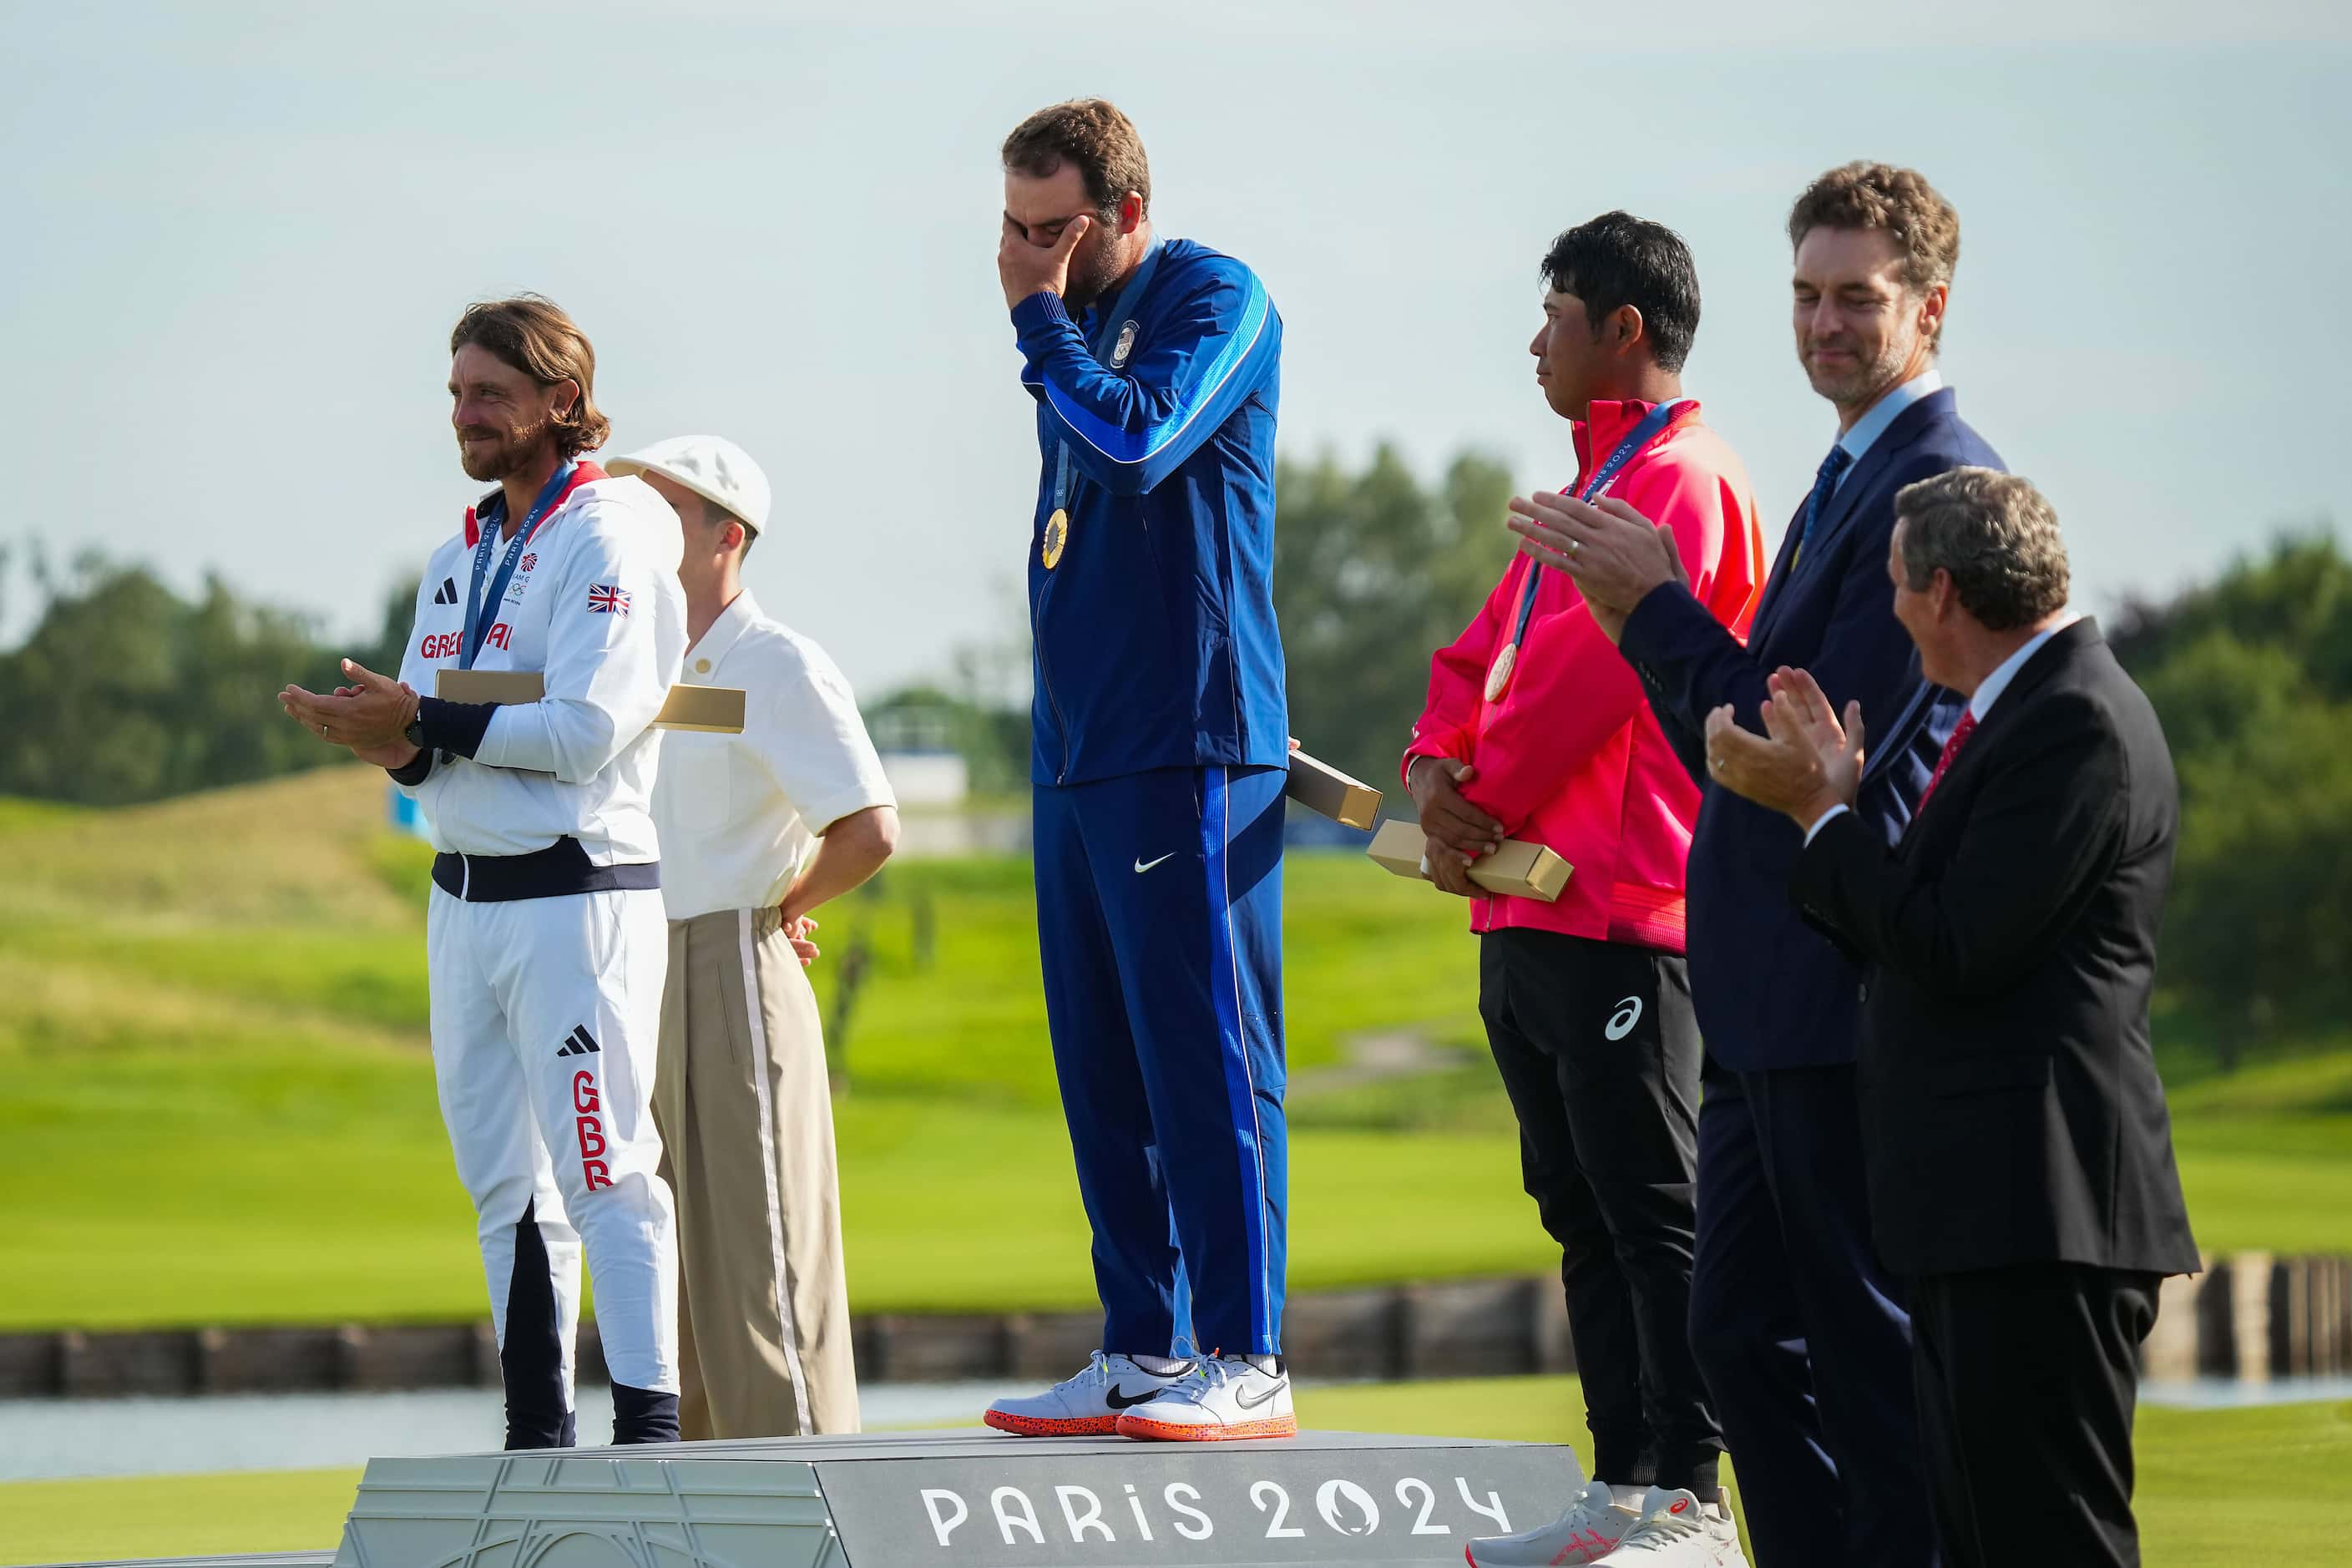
x=1799, y=1328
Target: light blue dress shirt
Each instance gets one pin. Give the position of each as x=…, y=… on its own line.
x=1883, y=413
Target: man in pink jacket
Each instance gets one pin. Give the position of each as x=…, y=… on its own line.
x=1535, y=728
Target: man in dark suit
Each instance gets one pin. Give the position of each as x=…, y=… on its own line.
x=2014, y=1131
x=1799, y=1330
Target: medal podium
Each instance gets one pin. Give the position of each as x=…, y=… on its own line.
x=972, y=1497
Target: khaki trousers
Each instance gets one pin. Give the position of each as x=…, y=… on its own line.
x=746, y=1123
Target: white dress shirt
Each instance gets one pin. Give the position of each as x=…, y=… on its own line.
x=737, y=815
x=1988, y=692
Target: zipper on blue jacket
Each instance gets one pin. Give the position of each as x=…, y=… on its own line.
x=1045, y=679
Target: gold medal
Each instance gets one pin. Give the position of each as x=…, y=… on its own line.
x=1058, y=535
x=1500, y=676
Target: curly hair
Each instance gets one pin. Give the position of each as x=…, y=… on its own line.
x=531, y=333
x=1899, y=201
x=1092, y=135
x=1995, y=534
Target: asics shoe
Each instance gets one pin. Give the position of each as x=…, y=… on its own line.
x=1587, y=1532
x=1677, y=1530
x=1226, y=1398
x=1086, y=1405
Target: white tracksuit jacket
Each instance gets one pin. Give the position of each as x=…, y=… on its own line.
x=546, y=991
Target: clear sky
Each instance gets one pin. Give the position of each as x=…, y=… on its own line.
x=237, y=235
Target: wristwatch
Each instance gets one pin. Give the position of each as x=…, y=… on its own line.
x=415, y=733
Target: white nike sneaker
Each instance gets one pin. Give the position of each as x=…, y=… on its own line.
x=1587, y=1532
x=1677, y=1530
x=1226, y=1398
x=1086, y=1405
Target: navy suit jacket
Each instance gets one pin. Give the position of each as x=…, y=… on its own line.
x=1771, y=991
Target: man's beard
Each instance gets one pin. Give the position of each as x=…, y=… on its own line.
x=1864, y=382
x=1092, y=272
x=515, y=449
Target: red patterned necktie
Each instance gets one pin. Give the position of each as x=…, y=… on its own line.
x=1960, y=734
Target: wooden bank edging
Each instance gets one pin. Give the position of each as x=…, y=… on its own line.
x=2251, y=1316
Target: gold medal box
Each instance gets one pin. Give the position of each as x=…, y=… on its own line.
x=713, y=709
x=1520, y=869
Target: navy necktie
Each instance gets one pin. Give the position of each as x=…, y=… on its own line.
x=1825, y=486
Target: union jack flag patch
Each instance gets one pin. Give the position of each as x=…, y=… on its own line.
x=607, y=599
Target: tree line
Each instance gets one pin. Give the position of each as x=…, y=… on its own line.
x=2252, y=675
x=125, y=690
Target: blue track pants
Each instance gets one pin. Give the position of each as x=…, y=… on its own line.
x=1159, y=917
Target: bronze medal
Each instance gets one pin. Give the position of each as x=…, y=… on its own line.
x=1058, y=535
x=1499, y=677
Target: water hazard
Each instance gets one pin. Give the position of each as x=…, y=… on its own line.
x=45, y=1439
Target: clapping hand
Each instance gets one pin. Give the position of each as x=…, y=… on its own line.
x=1805, y=763
x=1614, y=555
x=368, y=716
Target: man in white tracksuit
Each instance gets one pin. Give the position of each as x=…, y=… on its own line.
x=545, y=936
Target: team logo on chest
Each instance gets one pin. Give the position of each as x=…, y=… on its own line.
x=522, y=577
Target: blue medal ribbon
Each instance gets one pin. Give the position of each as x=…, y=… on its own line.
x=1654, y=421
x=477, y=604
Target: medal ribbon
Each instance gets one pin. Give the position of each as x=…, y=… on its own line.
x=477, y=606
x=1105, y=337
x=1653, y=424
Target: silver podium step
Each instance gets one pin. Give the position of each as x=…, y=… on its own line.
x=976, y=1496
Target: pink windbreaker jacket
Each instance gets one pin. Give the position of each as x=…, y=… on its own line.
x=1570, y=755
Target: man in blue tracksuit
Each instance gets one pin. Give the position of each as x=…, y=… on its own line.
x=1160, y=758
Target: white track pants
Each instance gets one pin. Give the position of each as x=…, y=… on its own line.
x=546, y=1022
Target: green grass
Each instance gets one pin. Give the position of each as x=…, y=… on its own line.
x=174, y=1515
x=2217, y=1488
x=1366, y=952
x=17, y=814
x=214, y=1049
x=2266, y=1155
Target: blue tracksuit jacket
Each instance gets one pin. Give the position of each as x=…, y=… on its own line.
x=1156, y=643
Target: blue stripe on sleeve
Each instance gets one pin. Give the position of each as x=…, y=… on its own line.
x=1129, y=447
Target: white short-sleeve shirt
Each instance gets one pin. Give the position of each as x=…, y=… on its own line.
x=737, y=815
